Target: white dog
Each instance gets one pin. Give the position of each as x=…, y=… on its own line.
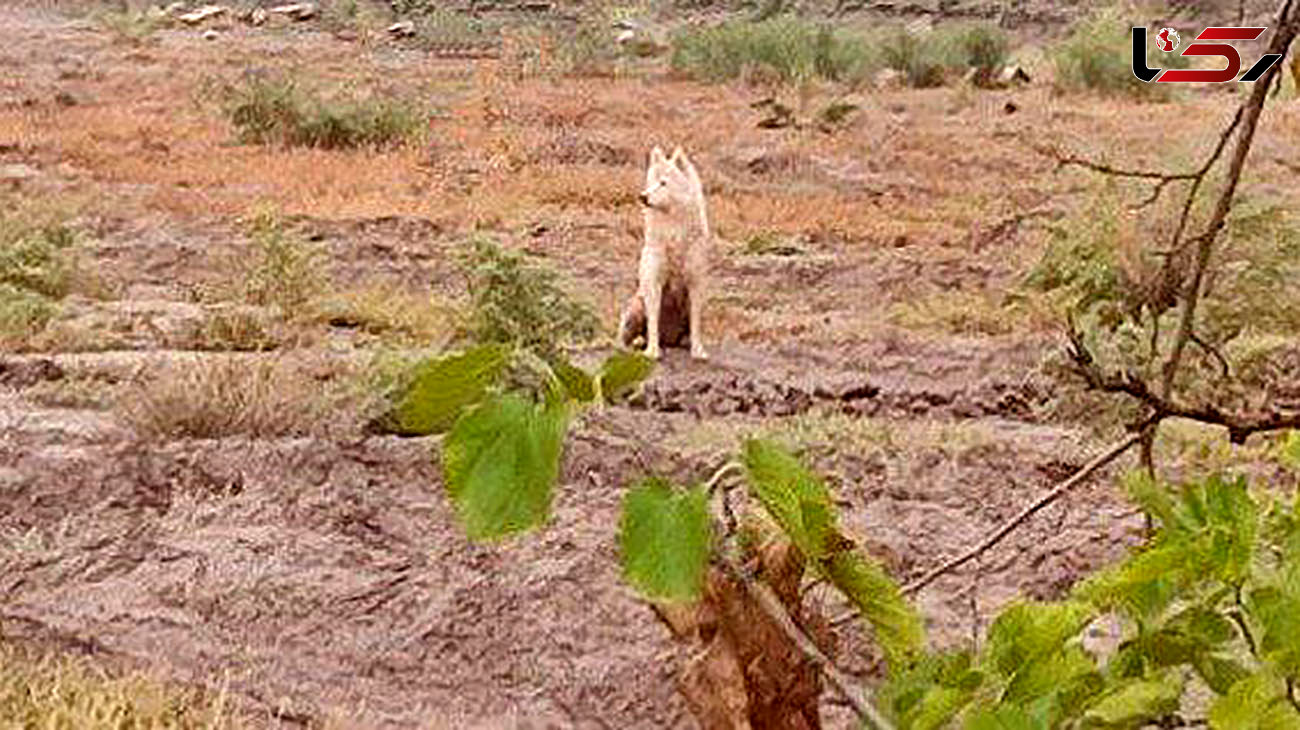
x=674, y=272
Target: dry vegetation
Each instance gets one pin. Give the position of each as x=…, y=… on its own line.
x=252, y=237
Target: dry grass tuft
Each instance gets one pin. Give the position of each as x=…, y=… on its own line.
x=214, y=397
x=70, y=692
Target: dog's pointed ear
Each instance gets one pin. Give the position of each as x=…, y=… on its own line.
x=678, y=156
x=656, y=155
x=688, y=167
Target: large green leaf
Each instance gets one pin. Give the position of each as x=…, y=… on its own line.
x=897, y=625
x=500, y=464
x=791, y=494
x=1026, y=631
x=440, y=389
x=665, y=536
x=621, y=372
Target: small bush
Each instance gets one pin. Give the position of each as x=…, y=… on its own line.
x=132, y=25
x=1097, y=56
x=518, y=303
x=272, y=110
x=792, y=48
x=983, y=46
x=922, y=58
x=39, y=265
x=282, y=270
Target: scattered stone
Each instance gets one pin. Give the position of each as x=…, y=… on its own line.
x=1013, y=75
x=253, y=16
x=889, y=78
x=210, y=35
x=403, y=29
x=296, y=11
x=1010, y=107
x=198, y=16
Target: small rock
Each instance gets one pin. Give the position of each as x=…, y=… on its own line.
x=256, y=16
x=1013, y=75
x=889, y=79
x=198, y=16
x=297, y=11
x=63, y=98
x=1010, y=108
x=210, y=35
x=16, y=174
x=403, y=29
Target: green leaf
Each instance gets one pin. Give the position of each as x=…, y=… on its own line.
x=1136, y=702
x=441, y=389
x=1257, y=702
x=788, y=492
x=578, y=384
x=621, y=372
x=1153, y=498
x=1220, y=673
x=665, y=538
x=1206, y=627
x=1025, y=631
x=897, y=625
x=1005, y=717
x=1048, y=674
x=1289, y=454
x=500, y=464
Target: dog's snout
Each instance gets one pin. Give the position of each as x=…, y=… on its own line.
x=645, y=199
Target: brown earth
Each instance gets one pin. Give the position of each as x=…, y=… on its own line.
x=320, y=575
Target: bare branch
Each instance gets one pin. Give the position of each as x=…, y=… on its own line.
x=1105, y=458
x=1248, y=115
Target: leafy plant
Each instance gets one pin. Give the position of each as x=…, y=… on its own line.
x=268, y=109
x=792, y=48
x=1096, y=56
x=519, y=303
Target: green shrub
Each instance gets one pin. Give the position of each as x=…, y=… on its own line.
x=281, y=270
x=38, y=267
x=273, y=110
x=1097, y=56
x=515, y=302
x=983, y=45
x=793, y=48
x=922, y=58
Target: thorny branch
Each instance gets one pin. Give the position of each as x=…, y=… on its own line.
x=1162, y=405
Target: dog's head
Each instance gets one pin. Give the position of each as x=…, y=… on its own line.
x=670, y=182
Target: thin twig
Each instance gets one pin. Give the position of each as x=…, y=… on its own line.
x=1248, y=114
x=845, y=684
x=1060, y=489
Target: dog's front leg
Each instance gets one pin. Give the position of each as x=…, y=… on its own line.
x=652, y=292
